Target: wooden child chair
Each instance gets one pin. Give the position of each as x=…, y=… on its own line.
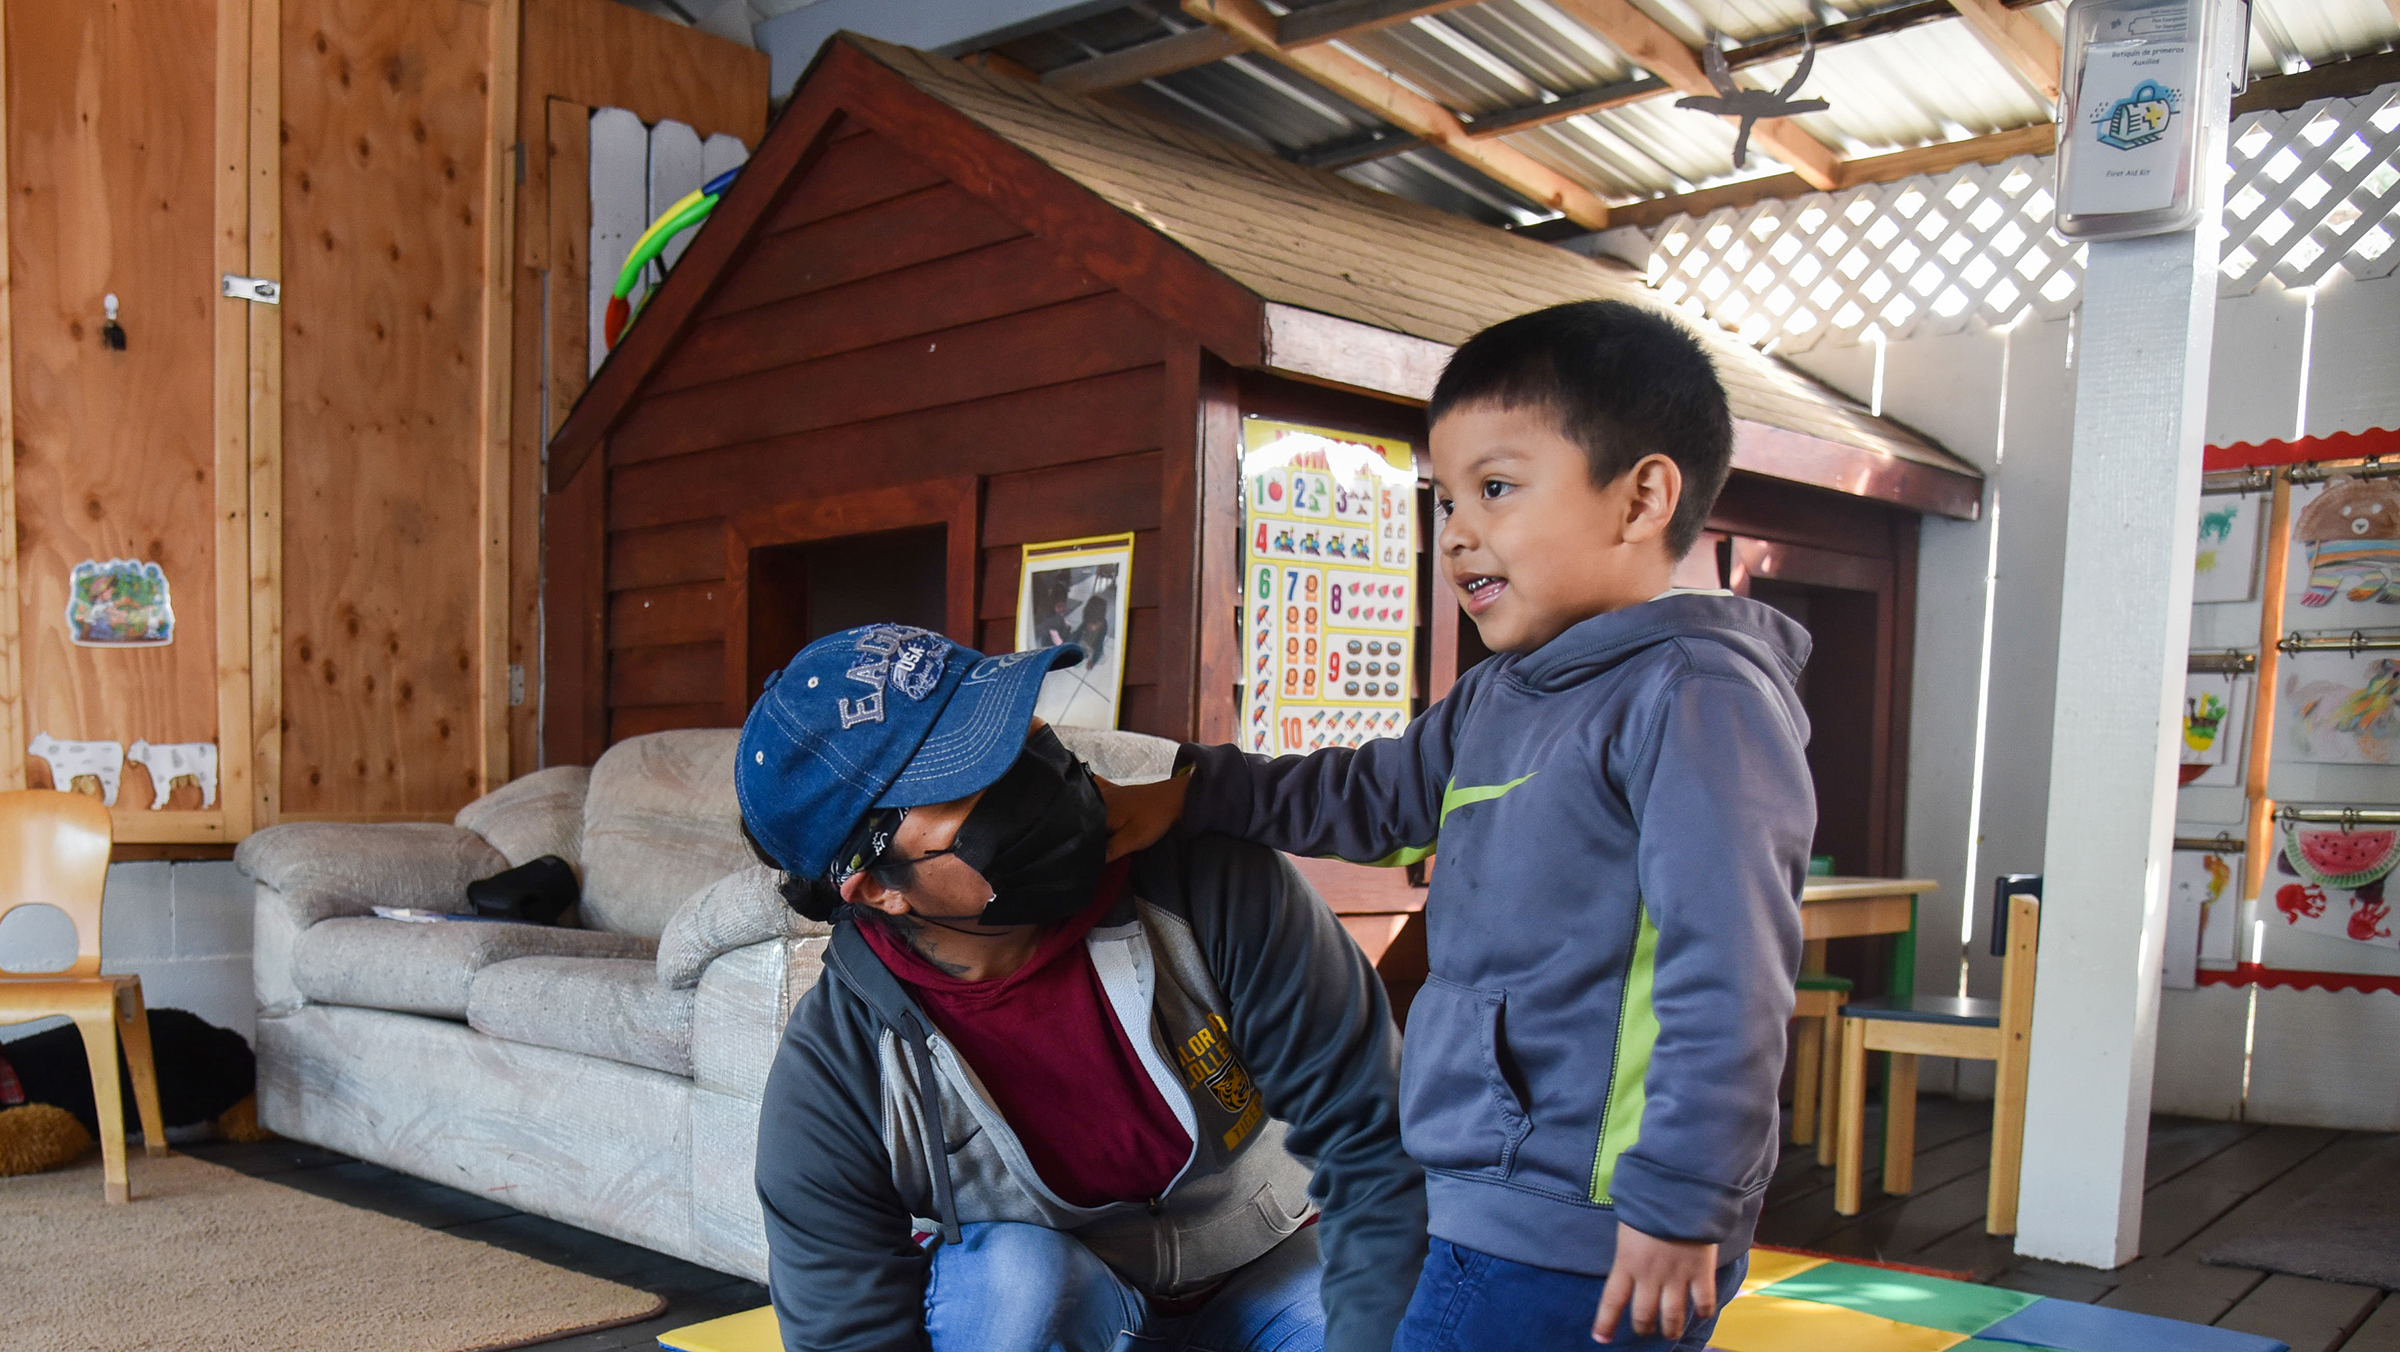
x=1909, y=1026
x=1817, y=1060
x=54, y=849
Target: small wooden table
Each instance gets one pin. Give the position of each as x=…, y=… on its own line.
x=1843, y=908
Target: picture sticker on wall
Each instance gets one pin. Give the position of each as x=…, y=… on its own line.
x=122, y=603
x=2225, y=566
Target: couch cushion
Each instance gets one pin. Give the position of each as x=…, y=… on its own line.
x=658, y=825
x=346, y=868
x=733, y=912
x=427, y=968
x=541, y=813
x=612, y=1008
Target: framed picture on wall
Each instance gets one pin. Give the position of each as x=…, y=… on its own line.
x=1075, y=591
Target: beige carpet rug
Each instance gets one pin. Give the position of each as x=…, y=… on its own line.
x=205, y=1259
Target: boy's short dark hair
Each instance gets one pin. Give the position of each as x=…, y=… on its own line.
x=1623, y=381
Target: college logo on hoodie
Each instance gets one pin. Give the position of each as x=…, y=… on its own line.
x=1206, y=1059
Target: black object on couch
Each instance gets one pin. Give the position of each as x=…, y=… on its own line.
x=535, y=893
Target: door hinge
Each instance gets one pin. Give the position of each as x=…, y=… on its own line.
x=520, y=156
x=260, y=289
x=516, y=684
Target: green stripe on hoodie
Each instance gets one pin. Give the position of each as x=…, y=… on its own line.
x=1637, y=1034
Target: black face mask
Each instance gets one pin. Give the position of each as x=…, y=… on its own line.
x=1039, y=836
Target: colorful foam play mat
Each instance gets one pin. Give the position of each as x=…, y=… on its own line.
x=1795, y=1302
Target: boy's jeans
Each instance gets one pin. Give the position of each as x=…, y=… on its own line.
x=1472, y=1302
x=1008, y=1287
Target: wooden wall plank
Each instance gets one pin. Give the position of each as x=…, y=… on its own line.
x=934, y=223
x=651, y=616
x=1049, y=346
x=962, y=288
x=1066, y=502
x=229, y=421
x=12, y=672
x=113, y=185
x=852, y=172
x=263, y=167
x=1176, y=560
x=1079, y=420
x=494, y=431
x=386, y=167
x=574, y=630
x=569, y=196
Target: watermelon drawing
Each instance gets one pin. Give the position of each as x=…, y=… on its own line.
x=2347, y=859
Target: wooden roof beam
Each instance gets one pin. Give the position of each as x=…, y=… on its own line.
x=1403, y=107
x=1349, y=18
x=1143, y=61
x=2038, y=139
x=2016, y=38
x=1648, y=44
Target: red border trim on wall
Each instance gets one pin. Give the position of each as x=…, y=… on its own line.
x=2253, y=974
x=2338, y=446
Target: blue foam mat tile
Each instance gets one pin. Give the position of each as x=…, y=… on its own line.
x=2072, y=1326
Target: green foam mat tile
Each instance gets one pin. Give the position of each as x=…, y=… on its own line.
x=1929, y=1302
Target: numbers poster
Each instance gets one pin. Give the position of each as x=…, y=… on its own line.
x=1329, y=569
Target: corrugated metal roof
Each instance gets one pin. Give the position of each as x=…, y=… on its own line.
x=1928, y=83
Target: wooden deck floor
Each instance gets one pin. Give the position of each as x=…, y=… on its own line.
x=2206, y=1182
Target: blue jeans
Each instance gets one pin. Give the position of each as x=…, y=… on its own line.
x=1472, y=1302
x=1008, y=1287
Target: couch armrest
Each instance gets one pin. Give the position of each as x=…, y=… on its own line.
x=325, y=869
x=746, y=996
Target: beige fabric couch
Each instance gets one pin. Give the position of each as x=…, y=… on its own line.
x=608, y=1076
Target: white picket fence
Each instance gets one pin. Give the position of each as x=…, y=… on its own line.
x=638, y=172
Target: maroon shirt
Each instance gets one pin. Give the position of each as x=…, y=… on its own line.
x=1049, y=1049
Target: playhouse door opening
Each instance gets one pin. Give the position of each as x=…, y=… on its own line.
x=801, y=592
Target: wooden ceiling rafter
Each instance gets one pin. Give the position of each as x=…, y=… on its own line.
x=1647, y=43
x=2018, y=39
x=1396, y=103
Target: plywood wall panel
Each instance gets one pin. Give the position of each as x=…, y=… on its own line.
x=111, y=147
x=384, y=162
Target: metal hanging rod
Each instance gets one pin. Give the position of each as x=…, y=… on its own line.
x=2237, y=481
x=2222, y=843
x=2352, y=643
x=2231, y=662
x=2345, y=817
x=2373, y=467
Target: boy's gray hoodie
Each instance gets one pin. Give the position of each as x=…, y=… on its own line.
x=1624, y=819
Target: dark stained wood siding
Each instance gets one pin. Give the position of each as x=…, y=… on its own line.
x=883, y=327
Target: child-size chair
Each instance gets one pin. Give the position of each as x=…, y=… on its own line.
x=54, y=849
x=1817, y=1060
x=1909, y=1026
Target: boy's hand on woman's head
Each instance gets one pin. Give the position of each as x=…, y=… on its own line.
x=1140, y=815
x=1665, y=1285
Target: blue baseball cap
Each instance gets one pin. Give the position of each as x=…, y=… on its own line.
x=884, y=715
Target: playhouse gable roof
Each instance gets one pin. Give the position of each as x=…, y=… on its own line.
x=1221, y=240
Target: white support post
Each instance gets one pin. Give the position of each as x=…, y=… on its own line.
x=2141, y=387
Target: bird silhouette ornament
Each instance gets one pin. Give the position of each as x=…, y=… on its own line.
x=1750, y=105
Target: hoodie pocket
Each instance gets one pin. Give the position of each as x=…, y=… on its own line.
x=1457, y=1110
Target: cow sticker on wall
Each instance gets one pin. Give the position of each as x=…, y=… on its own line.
x=122, y=603
x=102, y=763
x=2345, y=568
x=195, y=763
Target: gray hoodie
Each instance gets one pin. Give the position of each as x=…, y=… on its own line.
x=1623, y=818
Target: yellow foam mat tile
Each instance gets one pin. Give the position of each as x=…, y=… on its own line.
x=1769, y=1266
x=749, y=1331
x=1759, y=1323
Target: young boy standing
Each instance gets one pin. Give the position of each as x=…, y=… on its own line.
x=1623, y=812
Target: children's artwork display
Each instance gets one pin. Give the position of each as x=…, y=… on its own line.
x=122, y=603
x=2225, y=567
x=2201, y=906
x=1075, y=591
x=2339, y=708
x=2215, y=713
x=2345, y=565
x=2330, y=881
x=1329, y=567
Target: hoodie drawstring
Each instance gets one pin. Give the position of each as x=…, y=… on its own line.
x=929, y=1116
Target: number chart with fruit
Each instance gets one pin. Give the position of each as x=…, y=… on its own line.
x=1329, y=566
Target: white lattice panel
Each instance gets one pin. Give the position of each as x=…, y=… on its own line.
x=1930, y=254
x=2314, y=189
x=2307, y=191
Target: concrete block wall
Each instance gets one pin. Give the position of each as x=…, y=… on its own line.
x=183, y=928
